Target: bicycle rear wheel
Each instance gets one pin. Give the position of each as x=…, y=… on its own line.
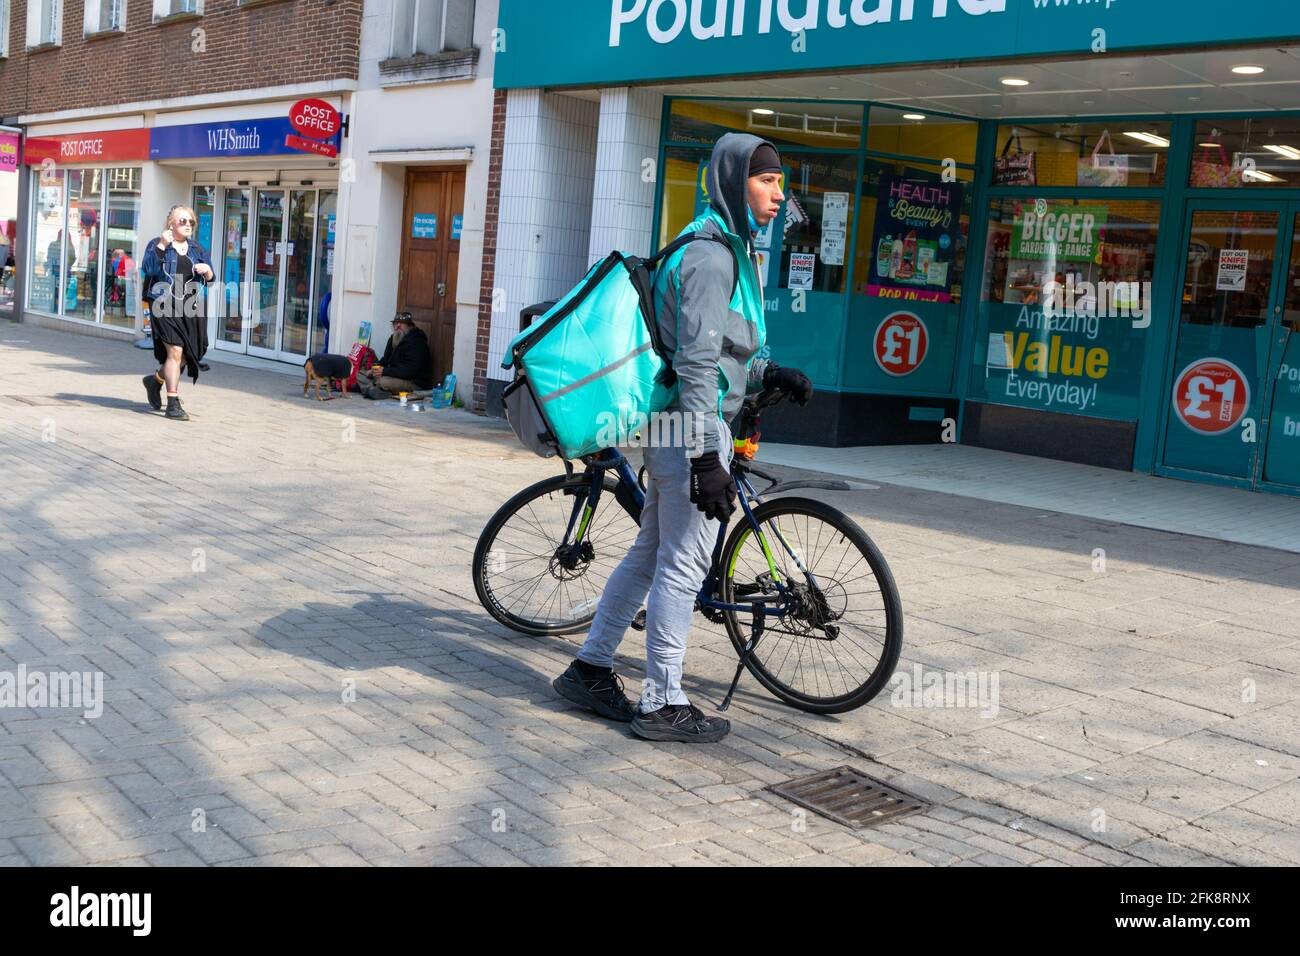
x=528, y=578
x=838, y=643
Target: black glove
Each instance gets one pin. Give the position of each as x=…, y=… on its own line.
x=791, y=381
x=712, y=490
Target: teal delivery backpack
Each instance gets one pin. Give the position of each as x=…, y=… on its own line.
x=592, y=369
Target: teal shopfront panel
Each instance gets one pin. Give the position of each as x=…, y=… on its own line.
x=1073, y=365
x=894, y=345
x=811, y=339
x=1282, y=454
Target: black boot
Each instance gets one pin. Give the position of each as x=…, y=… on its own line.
x=153, y=388
x=174, y=409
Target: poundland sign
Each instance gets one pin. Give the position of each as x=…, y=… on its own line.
x=608, y=42
x=790, y=15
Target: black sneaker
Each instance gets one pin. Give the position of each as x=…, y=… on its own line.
x=176, y=410
x=153, y=388
x=685, y=723
x=602, y=694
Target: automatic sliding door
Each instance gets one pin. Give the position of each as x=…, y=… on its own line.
x=233, y=238
x=298, y=274
x=1282, y=453
x=268, y=251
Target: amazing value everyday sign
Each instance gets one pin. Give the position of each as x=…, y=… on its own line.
x=609, y=42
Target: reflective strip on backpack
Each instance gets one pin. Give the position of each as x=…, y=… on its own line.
x=599, y=373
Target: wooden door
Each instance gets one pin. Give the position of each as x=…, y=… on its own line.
x=431, y=227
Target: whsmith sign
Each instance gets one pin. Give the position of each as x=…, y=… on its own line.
x=609, y=42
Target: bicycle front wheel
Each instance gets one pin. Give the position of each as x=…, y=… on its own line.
x=536, y=577
x=839, y=639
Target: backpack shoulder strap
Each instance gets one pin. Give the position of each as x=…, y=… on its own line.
x=682, y=241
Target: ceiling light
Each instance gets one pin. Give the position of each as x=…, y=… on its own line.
x=1151, y=139
x=1290, y=152
x=763, y=112
x=1247, y=69
x=1209, y=145
x=1014, y=81
x=913, y=116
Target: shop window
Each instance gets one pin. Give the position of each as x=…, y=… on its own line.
x=823, y=125
x=909, y=271
x=44, y=23
x=1116, y=153
x=122, y=240
x=913, y=231
x=1259, y=152
x=8, y=265
x=46, y=256
x=430, y=27
x=905, y=132
x=82, y=255
x=104, y=16
x=1066, y=305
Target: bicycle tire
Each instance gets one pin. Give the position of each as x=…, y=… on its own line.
x=483, y=586
x=891, y=606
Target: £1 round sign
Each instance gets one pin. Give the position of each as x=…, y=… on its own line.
x=901, y=343
x=1211, y=396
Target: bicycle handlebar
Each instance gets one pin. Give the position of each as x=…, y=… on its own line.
x=749, y=410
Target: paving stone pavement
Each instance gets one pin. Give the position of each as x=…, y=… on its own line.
x=296, y=671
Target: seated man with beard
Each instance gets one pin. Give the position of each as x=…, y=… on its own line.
x=406, y=365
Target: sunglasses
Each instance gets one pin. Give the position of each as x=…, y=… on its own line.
x=184, y=222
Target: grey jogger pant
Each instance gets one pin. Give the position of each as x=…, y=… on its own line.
x=664, y=570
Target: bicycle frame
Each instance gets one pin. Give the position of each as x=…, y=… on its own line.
x=614, y=460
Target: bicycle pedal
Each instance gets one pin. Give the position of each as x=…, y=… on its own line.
x=638, y=622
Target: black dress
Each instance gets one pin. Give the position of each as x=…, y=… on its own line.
x=184, y=321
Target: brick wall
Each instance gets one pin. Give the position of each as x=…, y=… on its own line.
x=491, y=218
x=267, y=44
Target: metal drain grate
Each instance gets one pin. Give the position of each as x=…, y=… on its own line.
x=849, y=797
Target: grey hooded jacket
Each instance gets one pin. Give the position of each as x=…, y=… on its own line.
x=712, y=344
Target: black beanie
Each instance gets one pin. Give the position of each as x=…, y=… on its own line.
x=765, y=160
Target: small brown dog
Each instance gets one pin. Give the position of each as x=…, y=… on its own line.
x=327, y=368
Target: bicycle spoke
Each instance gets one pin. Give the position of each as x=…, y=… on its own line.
x=833, y=638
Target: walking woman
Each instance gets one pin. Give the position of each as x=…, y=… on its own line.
x=175, y=273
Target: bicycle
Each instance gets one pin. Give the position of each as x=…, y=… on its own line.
x=526, y=572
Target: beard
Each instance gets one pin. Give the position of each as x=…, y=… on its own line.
x=399, y=334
